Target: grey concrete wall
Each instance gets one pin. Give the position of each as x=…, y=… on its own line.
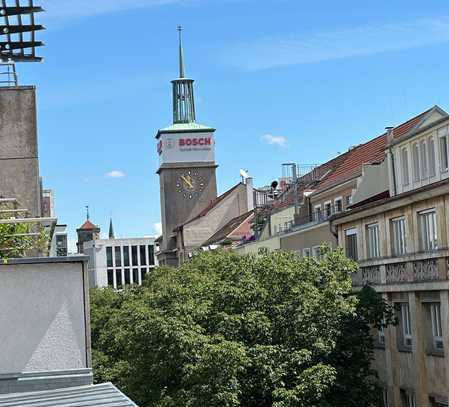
x=44, y=317
x=19, y=167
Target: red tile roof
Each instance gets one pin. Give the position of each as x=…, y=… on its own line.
x=409, y=125
x=371, y=152
x=351, y=167
x=88, y=225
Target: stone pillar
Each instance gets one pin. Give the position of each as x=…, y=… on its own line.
x=392, y=362
x=419, y=350
x=444, y=301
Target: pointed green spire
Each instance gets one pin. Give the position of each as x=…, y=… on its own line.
x=181, y=54
x=183, y=100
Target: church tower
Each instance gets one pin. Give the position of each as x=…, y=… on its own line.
x=187, y=166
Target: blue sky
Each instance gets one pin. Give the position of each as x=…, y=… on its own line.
x=280, y=80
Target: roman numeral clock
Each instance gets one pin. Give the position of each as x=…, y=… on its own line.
x=187, y=166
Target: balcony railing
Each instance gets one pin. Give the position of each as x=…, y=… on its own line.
x=415, y=268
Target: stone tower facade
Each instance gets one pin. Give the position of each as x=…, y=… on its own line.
x=86, y=233
x=187, y=170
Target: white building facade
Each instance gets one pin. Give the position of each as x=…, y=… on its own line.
x=116, y=263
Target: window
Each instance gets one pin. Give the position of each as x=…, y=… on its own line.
x=385, y=398
x=444, y=159
x=431, y=157
x=351, y=244
x=423, y=159
x=399, y=242
x=127, y=276
x=328, y=209
x=428, y=230
x=136, y=276
x=134, y=255
x=126, y=256
x=306, y=252
x=407, y=399
x=142, y=273
x=109, y=256
x=405, y=174
x=143, y=256
x=348, y=200
x=405, y=324
x=151, y=255
x=111, y=277
x=118, y=278
x=373, y=241
x=317, y=213
x=416, y=172
x=437, y=331
x=381, y=335
x=338, y=204
x=118, y=256
x=317, y=252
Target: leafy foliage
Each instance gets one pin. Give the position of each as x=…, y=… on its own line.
x=17, y=239
x=229, y=330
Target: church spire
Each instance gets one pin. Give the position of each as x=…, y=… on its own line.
x=111, y=230
x=181, y=54
x=183, y=99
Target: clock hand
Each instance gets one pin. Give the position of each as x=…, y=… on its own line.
x=187, y=181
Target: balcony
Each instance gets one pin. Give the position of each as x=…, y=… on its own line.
x=413, y=268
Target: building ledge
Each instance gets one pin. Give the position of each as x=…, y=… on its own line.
x=47, y=260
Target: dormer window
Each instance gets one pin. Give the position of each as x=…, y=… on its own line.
x=416, y=167
x=444, y=160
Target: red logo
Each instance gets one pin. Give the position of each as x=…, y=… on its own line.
x=202, y=141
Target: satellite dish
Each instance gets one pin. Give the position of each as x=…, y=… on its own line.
x=274, y=184
x=244, y=174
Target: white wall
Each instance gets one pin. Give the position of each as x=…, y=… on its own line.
x=43, y=317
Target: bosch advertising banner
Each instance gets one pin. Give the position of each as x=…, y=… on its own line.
x=187, y=147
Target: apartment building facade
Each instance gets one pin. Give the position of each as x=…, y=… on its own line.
x=401, y=244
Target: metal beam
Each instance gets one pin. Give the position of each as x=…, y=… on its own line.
x=15, y=11
x=15, y=29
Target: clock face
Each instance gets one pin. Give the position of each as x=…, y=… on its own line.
x=190, y=184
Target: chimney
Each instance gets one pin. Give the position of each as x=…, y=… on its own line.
x=249, y=193
x=390, y=134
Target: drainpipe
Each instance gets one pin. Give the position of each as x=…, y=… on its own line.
x=390, y=131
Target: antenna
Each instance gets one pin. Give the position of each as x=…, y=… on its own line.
x=244, y=174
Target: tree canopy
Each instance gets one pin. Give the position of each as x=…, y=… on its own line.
x=230, y=330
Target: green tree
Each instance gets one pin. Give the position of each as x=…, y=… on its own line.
x=230, y=330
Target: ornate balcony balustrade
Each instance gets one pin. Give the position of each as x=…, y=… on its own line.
x=413, y=269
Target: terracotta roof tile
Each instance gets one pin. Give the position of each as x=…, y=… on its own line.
x=88, y=225
x=409, y=125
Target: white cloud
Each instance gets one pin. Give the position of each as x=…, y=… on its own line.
x=271, y=52
x=116, y=174
x=277, y=140
x=158, y=228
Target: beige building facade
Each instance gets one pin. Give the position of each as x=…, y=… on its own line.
x=402, y=246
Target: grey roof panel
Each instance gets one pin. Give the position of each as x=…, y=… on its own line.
x=85, y=396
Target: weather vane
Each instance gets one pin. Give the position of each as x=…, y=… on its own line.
x=18, y=31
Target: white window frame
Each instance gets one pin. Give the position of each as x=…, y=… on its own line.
x=416, y=164
x=428, y=232
x=423, y=159
x=373, y=239
x=405, y=167
x=432, y=162
x=406, y=325
x=317, y=212
x=306, y=252
x=339, y=199
x=325, y=206
x=352, y=232
x=437, y=330
x=443, y=148
x=398, y=236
